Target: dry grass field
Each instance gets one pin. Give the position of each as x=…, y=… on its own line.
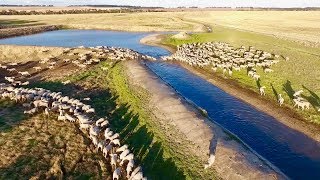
x=116, y=21
x=295, y=25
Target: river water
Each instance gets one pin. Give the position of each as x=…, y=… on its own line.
x=295, y=154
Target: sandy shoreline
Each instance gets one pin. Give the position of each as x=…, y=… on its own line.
x=283, y=115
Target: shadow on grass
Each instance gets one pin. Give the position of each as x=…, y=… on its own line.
x=258, y=83
x=314, y=99
x=148, y=151
x=287, y=87
x=276, y=94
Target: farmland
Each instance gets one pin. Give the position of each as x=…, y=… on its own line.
x=162, y=144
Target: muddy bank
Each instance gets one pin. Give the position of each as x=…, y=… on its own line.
x=285, y=115
x=22, y=31
x=233, y=160
x=155, y=40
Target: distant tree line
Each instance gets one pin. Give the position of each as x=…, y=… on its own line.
x=74, y=11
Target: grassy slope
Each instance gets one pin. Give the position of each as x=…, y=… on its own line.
x=125, y=105
x=300, y=72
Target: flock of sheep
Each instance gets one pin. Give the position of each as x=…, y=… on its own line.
x=220, y=55
x=90, y=56
x=73, y=110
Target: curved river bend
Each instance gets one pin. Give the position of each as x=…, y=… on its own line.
x=292, y=152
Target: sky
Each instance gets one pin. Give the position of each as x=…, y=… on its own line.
x=174, y=3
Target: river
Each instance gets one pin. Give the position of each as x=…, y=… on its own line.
x=295, y=154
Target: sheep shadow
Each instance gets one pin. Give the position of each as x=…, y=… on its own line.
x=258, y=83
x=314, y=99
x=287, y=87
x=276, y=94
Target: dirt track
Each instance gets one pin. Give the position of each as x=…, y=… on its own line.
x=233, y=161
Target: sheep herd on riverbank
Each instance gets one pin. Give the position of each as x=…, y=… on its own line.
x=220, y=56
x=68, y=109
x=73, y=110
x=80, y=57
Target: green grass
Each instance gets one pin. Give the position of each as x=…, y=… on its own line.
x=300, y=72
x=125, y=106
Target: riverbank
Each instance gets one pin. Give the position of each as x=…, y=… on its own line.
x=22, y=31
x=285, y=115
x=155, y=40
x=232, y=159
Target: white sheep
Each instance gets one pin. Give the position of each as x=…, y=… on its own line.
x=84, y=126
x=101, y=144
x=116, y=174
x=210, y=161
x=104, y=123
x=297, y=93
x=135, y=171
x=268, y=70
x=66, y=82
x=91, y=110
x=298, y=103
x=31, y=111
x=70, y=118
x=126, y=158
x=25, y=73
x=99, y=121
x=280, y=99
x=94, y=140
x=138, y=176
x=122, y=148
x=129, y=167
x=262, y=92
x=115, y=142
x=37, y=68
x=114, y=136
x=113, y=160
x=46, y=112
x=63, y=118
x=256, y=77
x=124, y=154
x=107, y=149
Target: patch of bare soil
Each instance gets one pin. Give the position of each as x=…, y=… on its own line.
x=181, y=35
x=232, y=159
